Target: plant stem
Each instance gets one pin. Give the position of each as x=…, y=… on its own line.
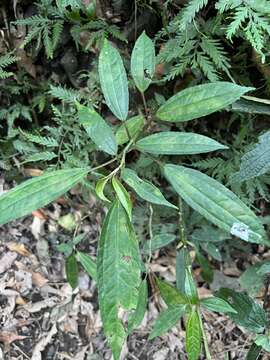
x=205, y=342
x=183, y=240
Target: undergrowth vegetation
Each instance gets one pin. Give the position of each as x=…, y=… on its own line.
x=165, y=122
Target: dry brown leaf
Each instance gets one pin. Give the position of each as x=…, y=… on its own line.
x=38, y=279
x=40, y=214
x=7, y=260
x=18, y=248
x=45, y=340
x=33, y=172
x=7, y=337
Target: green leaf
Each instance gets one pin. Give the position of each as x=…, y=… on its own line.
x=216, y=203
x=143, y=62
x=254, y=352
x=190, y=287
x=72, y=271
x=118, y=271
x=88, y=264
x=200, y=100
x=178, y=143
x=158, y=241
x=100, y=185
x=167, y=319
x=193, y=336
x=123, y=196
x=144, y=189
x=65, y=248
x=98, y=130
x=113, y=80
x=133, y=125
x=170, y=294
x=249, y=313
x=137, y=317
x=182, y=261
x=263, y=341
x=252, y=281
x=218, y=305
x=37, y=192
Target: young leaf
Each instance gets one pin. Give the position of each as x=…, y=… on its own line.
x=113, y=80
x=88, y=264
x=178, y=143
x=217, y=304
x=118, y=273
x=72, y=270
x=100, y=188
x=215, y=202
x=249, y=313
x=137, y=317
x=200, y=100
x=37, y=192
x=170, y=294
x=144, y=189
x=123, y=196
x=143, y=62
x=98, y=130
x=193, y=336
x=131, y=127
x=158, y=241
x=167, y=319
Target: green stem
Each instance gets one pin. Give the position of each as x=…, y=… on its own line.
x=183, y=240
x=205, y=342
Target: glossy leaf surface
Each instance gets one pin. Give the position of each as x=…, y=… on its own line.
x=143, y=62
x=200, y=100
x=215, y=202
x=37, y=192
x=113, y=80
x=98, y=130
x=193, y=336
x=178, y=143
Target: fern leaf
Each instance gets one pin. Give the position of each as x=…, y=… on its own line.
x=56, y=32
x=40, y=140
x=190, y=11
x=42, y=156
x=241, y=15
x=206, y=66
x=61, y=93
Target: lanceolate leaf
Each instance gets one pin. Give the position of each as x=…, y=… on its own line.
x=167, y=319
x=158, y=241
x=200, y=100
x=170, y=294
x=100, y=186
x=113, y=80
x=118, y=269
x=37, y=192
x=193, y=336
x=72, y=270
x=217, y=304
x=123, y=196
x=143, y=62
x=137, y=317
x=215, y=202
x=178, y=143
x=131, y=127
x=144, y=189
x=98, y=130
x=88, y=264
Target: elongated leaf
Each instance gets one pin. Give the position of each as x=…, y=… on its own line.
x=167, y=319
x=72, y=270
x=118, y=269
x=98, y=130
x=216, y=203
x=178, y=143
x=131, y=128
x=190, y=287
x=113, y=80
x=37, y=192
x=263, y=341
x=100, y=186
x=144, y=189
x=200, y=100
x=158, y=241
x=170, y=294
x=88, y=264
x=193, y=336
x=217, y=304
x=123, y=196
x=249, y=313
x=137, y=317
x=143, y=62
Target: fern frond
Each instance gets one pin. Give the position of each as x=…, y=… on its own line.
x=216, y=53
x=190, y=11
x=40, y=140
x=240, y=16
x=42, y=156
x=225, y=5
x=206, y=65
x=56, y=32
x=64, y=94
